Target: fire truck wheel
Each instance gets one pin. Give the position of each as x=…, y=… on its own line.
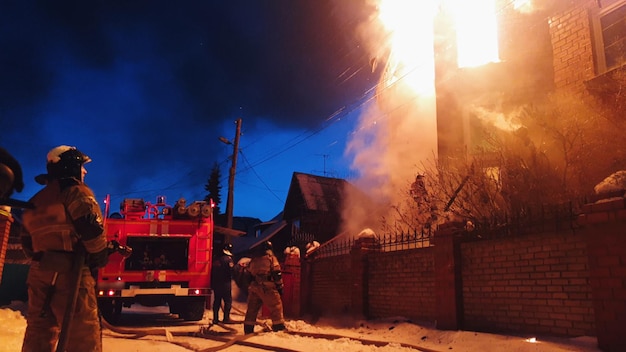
x=110, y=309
x=190, y=309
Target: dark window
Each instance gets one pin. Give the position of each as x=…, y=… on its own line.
x=158, y=253
x=613, y=26
x=609, y=23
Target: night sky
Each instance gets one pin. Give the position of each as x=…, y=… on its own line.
x=145, y=88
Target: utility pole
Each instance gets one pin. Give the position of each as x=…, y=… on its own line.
x=231, y=175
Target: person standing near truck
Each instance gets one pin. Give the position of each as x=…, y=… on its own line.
x=266, y=288
x=221, y=282
x=65, y=222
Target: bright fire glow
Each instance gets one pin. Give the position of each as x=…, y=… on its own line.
x=522, y=4
x=476, y=31
x=410, y=24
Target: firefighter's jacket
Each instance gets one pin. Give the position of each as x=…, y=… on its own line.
x=265, y=288
x=51, y=226
x=266, y=271
x=65, y=211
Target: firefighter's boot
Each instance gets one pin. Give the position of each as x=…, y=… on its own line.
x=278, y=327
x=227, y=308
x=215, y=317
x=248, y=329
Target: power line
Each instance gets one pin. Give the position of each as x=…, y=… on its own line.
x=260, y=179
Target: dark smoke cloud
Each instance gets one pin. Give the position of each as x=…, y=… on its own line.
x=283, y=60
x=134, y=83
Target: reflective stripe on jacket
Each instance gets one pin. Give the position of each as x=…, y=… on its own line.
x=50, y=225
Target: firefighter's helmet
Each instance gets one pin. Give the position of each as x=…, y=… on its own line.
x=267, y=245
x=65, y=161
x=228, y=249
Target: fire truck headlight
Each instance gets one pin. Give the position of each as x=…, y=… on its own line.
x=195, y=292
x=109, y=293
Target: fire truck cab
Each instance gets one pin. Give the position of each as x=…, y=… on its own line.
x=165, y=258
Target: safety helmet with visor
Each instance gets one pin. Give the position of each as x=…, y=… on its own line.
x=65, y=161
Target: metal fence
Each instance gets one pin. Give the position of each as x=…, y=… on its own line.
x=388, y=242
x=539, y=219
x=529, y=220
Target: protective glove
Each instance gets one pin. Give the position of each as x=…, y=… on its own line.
x=280, y=290
x=98, y=259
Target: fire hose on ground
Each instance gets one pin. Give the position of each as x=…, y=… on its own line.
x=230, y=337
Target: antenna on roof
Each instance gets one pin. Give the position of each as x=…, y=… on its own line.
x=325, y=156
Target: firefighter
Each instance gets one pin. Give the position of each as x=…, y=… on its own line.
x=66, y=221
x=221, y=278
x=266, y=288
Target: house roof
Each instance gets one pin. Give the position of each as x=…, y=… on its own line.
x=315, y=193
x=244, y=243
x=269, y=232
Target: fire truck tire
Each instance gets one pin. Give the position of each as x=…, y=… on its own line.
x=110, y=309
x=190, y=309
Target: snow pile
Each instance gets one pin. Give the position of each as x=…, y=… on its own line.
x=13, y=324
x=614, y=183
x=312, y=246
x=294, y=251
x=366, y=233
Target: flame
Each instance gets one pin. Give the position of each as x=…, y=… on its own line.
x=410, y=26
x=476, y=31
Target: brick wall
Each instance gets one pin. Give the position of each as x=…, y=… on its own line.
x=572, y=45
x=402, y=284
x=330, y=286
x=535, y=284
x=5, y=228
x=567, y=283
x=604, y=229
x=292, y=290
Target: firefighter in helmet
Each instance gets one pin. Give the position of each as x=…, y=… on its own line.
x=221, y=278
x=66, y=222
x=266, y=288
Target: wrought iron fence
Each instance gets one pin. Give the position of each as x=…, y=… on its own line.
x=388, y=242
x=529, y=220
x=538, y=219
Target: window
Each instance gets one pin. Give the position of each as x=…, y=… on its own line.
x=610, y=34
x=295, y=226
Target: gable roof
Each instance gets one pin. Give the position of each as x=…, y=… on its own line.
x=315, y=193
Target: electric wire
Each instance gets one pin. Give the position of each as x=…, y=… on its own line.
x=366, y=97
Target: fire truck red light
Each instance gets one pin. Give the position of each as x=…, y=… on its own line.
x=111, y=292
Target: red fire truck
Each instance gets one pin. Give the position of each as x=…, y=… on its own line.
x=163, y=257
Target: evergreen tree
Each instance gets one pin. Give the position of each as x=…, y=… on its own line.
x=214, y=188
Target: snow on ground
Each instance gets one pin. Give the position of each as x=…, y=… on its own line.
x=393, y=331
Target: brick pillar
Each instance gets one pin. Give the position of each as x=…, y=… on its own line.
x=291, y=294
x=6, y=219
x=604, y=227
x=448, y=287
x=360, y=282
